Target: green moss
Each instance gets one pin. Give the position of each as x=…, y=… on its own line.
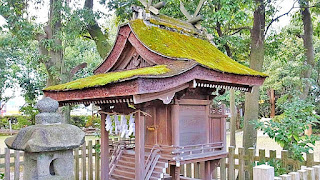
x=176, y=45
x=103, y=79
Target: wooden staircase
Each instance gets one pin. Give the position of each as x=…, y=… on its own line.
x=125, y=166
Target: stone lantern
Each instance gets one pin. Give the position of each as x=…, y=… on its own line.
x=48, y=145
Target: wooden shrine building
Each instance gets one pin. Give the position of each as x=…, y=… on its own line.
x=166, y=72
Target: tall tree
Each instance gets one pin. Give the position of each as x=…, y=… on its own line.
x=309, y=52
x=256, y=63
x=308, y=45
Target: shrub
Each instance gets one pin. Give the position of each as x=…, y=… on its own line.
x=86, y=121
x=79, y=121
x=288, y=129
x=17, y=121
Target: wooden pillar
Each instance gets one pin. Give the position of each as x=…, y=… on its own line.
x=224, y=128
x=233, y=112
x=175, y=124
x=207, y=174
x=209, y=167
x=175, y=172
x=174, y=169
x=208, y=130
x=139, y=146
x=272, y=102
x=104, y=149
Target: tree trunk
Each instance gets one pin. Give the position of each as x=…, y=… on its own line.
x=256, y=62
x=100, y=39
x=309, y=52
x=233, y=112
x=308, y=45
x=54, y=62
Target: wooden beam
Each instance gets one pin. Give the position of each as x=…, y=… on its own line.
x=104, y=150
x=139, y=146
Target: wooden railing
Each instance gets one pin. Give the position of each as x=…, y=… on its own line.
x=179, y=153
x=151, y=162
x=116, y=155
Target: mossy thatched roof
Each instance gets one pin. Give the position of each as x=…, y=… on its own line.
x=111, y=77
x=180, y=46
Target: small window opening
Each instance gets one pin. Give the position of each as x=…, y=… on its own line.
x=51, y=168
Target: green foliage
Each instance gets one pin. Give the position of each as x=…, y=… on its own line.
x=29, y=111
x=79, y=121
x=22, y=121
x=93, y=121
x=22, y=36
x=86, y=121
x=18, y=121
x=288, y=129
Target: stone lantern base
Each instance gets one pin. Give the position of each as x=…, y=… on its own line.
x=56, y=165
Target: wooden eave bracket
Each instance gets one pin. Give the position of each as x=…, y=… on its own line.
x=165, y=96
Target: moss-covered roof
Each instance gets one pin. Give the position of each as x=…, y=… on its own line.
x=173, y=23
x=111, y=77
x=180, y=46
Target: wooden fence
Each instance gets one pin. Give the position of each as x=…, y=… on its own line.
x=236, y=165
x=87, y=163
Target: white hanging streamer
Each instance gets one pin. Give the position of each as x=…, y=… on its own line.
x=116, y=125
x=124, y=126
x=109, y=124
x=131, y=126
x=120, y=127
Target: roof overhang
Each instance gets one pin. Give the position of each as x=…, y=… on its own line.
x=198, y=77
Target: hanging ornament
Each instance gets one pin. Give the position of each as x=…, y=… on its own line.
x=131, y=126
x=124, y=126
x=108, y=124
x=116, y=125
